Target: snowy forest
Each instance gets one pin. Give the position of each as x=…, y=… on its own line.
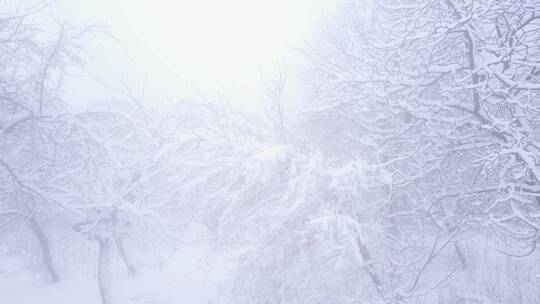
x=404, y=167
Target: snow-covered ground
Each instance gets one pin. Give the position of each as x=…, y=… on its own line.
x=186, y=277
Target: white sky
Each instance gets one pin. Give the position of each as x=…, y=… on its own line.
x=176, y=47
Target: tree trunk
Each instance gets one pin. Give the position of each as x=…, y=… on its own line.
x=45, y=248
x=104, y=274
x=366, y=257
x=123, y=254
x=460, y=254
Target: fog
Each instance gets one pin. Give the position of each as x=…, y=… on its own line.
x=249, y=151
x=183, y=48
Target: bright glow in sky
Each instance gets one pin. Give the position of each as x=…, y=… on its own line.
x=212, y=45
x=217, y=39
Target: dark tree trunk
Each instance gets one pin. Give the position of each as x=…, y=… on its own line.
x=461, y=255
x=123, y=254
x=366, y=257
x=45, y=248
x=104, y=274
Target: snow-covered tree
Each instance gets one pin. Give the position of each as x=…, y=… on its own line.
x=33, y=62
x=438, y=97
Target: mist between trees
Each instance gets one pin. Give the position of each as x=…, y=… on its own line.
x=411, y=174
